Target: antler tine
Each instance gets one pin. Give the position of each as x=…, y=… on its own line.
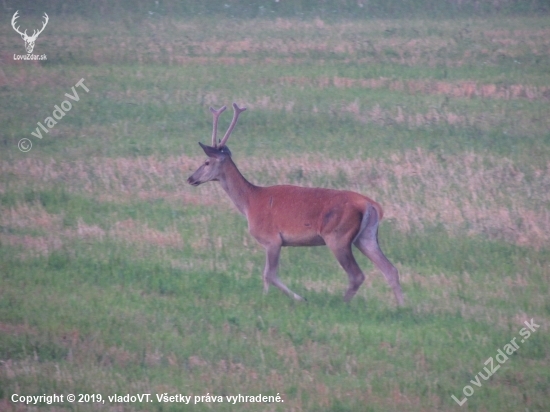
x=236, y=112
x=46, y=19
x=216, y=115
x=14, y=22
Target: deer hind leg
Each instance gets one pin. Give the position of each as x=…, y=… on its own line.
x=367, y=242
x=344, y=255
x=272, y=254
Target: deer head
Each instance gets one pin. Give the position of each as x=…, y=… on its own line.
x=218, y=154
x=29, y=40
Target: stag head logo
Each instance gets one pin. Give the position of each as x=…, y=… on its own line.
x=29, y=40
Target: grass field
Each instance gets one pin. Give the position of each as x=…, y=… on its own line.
x=117, y=277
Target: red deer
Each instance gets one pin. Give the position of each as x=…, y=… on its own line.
x=299, y=216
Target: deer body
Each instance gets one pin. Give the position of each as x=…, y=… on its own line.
x=288, y=215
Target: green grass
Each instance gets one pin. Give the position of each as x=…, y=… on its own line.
x=118, y=277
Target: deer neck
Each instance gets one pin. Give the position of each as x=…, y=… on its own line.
x=236, y=186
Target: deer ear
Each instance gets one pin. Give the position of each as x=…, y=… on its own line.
x=211, y=151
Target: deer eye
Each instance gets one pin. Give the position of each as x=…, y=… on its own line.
x=207, y=163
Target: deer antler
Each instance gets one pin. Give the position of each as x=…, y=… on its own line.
x=216, y=115
x=13, y=19
x=236, y=112
x=35, y=35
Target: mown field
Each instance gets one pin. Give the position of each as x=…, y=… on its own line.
x=117, y=277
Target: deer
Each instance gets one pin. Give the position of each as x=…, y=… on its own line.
x=29, y=40
x=286, y=215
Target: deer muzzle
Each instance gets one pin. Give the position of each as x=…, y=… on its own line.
x=192, y=181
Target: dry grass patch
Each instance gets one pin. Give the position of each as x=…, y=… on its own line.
x=487, y=195
x=338, y=282
x=477, y=193
x=415, y=42
x=33, y=246
x=519, y=122
x=26, y=215
x=35, y=217
x=458, y=89
x=441, y=295
x=29, y=76
x=70, y=376
x=16, y=329
x=133, y=232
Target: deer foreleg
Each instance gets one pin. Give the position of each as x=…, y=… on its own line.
x=270, y=272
